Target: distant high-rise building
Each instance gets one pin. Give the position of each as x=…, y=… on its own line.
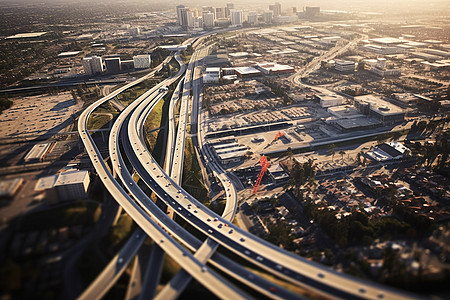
x=142, y=61
x=228, y=8
x=268, y=17
x=252, y=18
x=209, y=9
x=112, y=65
x=134, y=31
x=236, y=17
x=179, y=14
x=276, y=8
x=312, y=11
x=294, y=10
x=182, y=16
x=220, y=12
x=190, y=19
x=92, y=65
x=208, y=19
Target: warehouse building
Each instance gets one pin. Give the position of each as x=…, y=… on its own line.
x=373, y=106
x=66, y=186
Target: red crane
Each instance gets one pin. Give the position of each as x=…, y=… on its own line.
x=278, y=135
x=264, y=165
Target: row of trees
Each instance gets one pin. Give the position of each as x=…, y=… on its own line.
x=5, y=104
x=356, y=228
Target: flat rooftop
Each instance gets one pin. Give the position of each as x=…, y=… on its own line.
x=68, y=54
x=232, y=154
x=69, y=177
x=37, y=152
x=27, y=35
x=272, y=67
x=247, y=70
x=360, y=122
x=379, y=105
x=9, y=187
x=387, y=41
x=344, y=111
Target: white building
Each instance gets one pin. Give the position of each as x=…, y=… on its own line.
x=208, y=19
x=236, y=17
x=212, y=75
x=374, y=106
x=268, y=17
x=38, y=152
x=142, y=61
x=92, y=65
x=381, y=70
x=344, y=65
x=70, y=185
x=329, y=100
x=181, y=10
x=388, y=151
x=252, y=18
x=276, y=8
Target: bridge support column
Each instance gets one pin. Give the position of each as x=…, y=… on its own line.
x=116, y=218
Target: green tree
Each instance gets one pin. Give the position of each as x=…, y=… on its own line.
x=331, y=150
x=342, y=153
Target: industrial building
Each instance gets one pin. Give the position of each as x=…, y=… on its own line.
x=67, y=186
x=142, y=61
x=247, y=72
x=274, y=69
x=347, y=118
x=388, y=151
x=344, y=66
x=329, y=100
x=381, y=49
x=8, y=188
x=374, y=106
x=38, y=152
x=211, y=75
x=228, y=150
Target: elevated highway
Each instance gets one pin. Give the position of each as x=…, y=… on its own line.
x=168, y=235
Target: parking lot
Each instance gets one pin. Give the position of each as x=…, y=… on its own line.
x=38, y=115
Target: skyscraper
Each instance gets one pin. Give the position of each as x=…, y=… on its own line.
x=268, y=16
x=112, y=65
x=208, y=19
x=236, y=17
x=179, y=18
x=276, y=8
x=252, y=18
x=92, y=65
x=182, y=16
x=220, y=12
x=142, y=61
x=228, y=8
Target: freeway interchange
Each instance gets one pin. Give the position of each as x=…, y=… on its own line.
x=127, y=142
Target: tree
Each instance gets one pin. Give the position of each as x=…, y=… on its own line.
x=342, y=153
x=396, y=135
x=289, y=153
x=331, y=151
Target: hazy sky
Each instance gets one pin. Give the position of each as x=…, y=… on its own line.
x=358, y=5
